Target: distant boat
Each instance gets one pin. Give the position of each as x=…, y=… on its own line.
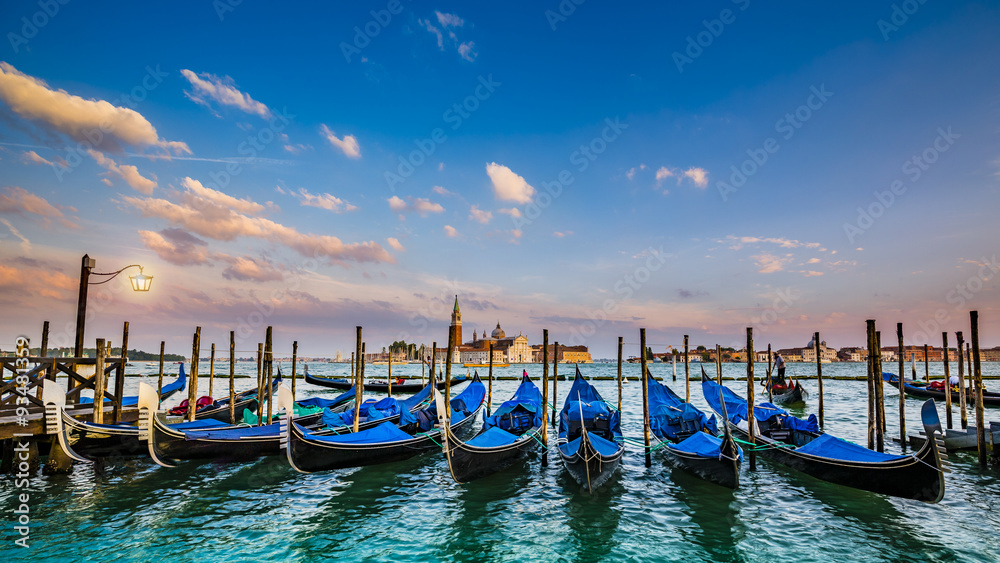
x=476, y=365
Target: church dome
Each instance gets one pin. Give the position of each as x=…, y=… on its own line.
x=498, y=333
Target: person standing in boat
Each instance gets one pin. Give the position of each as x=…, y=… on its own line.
x=779, y=363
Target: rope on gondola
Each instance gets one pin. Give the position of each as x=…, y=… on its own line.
x=424, y=434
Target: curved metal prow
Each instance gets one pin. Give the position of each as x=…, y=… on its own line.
x=55, y=410
x=148, y=404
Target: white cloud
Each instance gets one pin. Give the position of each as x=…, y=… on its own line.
x=419, y=205
x=57, y=110
x=450, y=231
x=476, y=214
x=323, y=201
x=217, y=198
x=31, y=157
x=395, y=244
x=508, y=186
x=513, y=212
x=441, y=191
x=214, y=215
x=737, y=243
x=697, y=175
x=223, y=91
x=812, y=273
x=440, y=166
x=465, y=50
x=177, y=246
x=631, y=173
x=563, y=234
x=126, y=172
x=348, y=145
x=25, y=243
x=249, y=269
x=449, y=20
x=298, y=148
x=437, y=32
x=769, y=263
x=662, y=174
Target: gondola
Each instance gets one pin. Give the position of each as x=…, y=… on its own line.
x=506, y=436
x=165, y=393
x=689, y=439
x=308, y=452
x=789, y=393
x=799, y=444
x=101, y=441
x=377, y=386
x=923, y=391
x=168, y=444
x=590, y=436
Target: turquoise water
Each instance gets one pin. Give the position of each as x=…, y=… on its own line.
x=414, y=511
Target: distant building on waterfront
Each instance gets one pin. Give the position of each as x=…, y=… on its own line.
x=506, y=349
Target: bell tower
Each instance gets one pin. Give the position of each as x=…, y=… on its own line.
x=456, y=324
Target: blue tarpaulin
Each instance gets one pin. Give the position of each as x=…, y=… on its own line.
x=585, y=406
x=236, y=433
x=522, y=412
x=703, y=445
x=670, y=416
x=832, y=447
x=385, y=432
x=492, y=437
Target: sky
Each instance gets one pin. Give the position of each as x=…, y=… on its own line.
x=583, y=167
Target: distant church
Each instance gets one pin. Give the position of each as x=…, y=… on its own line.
x=506, y=350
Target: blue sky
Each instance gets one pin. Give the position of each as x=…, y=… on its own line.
x=571, y=170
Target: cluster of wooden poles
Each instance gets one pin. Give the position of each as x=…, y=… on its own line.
x=969, y=357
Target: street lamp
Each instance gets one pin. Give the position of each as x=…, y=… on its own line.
x=140, y=282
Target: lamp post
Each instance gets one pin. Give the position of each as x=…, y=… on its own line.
x=140, y=282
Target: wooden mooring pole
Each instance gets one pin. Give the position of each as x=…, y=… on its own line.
x=489, y=396
x=295, y=361
x=193, y=384
x=687, y=372
x=99, y=383
x=902, y=395
x=963, y=411
x=159, y=379
x=232, y=377
x=819, y=375
x=120, y=376
x=770, y=368
x=545, y=397
x=879, y=394
x=620, y=343
x=211, y=374
x=977, y=375
x=645, y=395
x=947, y=378
x=751, y=421
x=870, y=333
x=358, y=384
x=269, y=364
x=555, y=380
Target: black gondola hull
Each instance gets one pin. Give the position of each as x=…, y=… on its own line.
x=402, y=388
x=468, y=463
x=990, y=399
x=588, y=467
x=719, y=470
x=308, y=455
x=916, y=477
